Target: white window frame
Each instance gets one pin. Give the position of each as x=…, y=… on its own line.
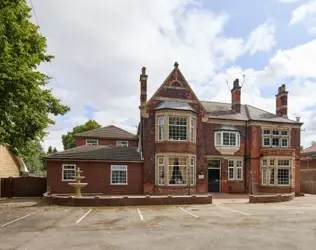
x=192, y=129
x=186, y=127
x=63, y=169
x=160, y=127
x=161, y=181
x=92, y=142
x=187, y=174
x=274, y=164
x=119, y=168
x=119, y=143
x=280, y=134
x=264, y=181
x=191, y=171
x=219, y=139
x=235, y=168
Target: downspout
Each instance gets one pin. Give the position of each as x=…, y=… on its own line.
x=246, y=158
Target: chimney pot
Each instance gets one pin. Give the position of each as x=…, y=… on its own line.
x=281, y=101
x=143, y=87
x=236, y=96
x=298, y=119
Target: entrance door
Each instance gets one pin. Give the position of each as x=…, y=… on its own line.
x=214, y=176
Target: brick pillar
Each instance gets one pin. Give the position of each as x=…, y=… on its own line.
x=281, y=102
x=236, y=96
x=143, y=87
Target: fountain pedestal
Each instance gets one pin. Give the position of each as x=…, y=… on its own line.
x=78, y=185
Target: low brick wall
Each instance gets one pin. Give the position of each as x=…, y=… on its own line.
x=127, y=200
x=267, y=198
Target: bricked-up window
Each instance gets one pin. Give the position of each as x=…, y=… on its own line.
x=235, y=170
x=118, y=175
x=161, y=122
x=192, y=129
x=275, y=172
x=161, y=171
x=275, y=138
x=122, y=143
x=92, y=142
x=227, y=139
x=177, y=170
x=178, y=128
x=68, y=172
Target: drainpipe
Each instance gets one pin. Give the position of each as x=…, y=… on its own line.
x=245, y=158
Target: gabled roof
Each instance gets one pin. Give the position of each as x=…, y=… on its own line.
x=247, y=112
x=102, y=153
x=110, y=132
x=310, y=149
x=176, y=74
x=175, y=106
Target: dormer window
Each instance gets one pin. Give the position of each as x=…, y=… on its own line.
x=92, y=142
x=227, y=139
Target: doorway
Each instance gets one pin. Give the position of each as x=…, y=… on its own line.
x=214, y=176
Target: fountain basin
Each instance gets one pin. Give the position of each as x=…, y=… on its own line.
x=81, y=184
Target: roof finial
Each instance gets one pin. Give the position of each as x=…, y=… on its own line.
x=176, y=64
x=143, y=71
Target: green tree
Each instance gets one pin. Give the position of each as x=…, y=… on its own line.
x=32, y=156
x=55, y=150
x=69, y=139
x=50, y=150
x=313, y=142
x=25, y=102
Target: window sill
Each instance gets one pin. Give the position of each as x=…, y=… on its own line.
x=68, y=180
x=119, y=184
x=175, y=186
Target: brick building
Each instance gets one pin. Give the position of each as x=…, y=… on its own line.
x=185, y=145
x=308, y=170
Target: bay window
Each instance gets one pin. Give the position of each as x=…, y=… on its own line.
x=178, y=128
x=171, y=127
x=175, y=170
x=227, y=139
x=276, y=172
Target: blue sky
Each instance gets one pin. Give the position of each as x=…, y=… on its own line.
x=100, y=48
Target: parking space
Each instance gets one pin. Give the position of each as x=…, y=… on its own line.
x=290, y=225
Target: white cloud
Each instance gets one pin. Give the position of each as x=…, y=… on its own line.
x=289, y=1
x=261, y=39
x=303, y=12
x=101, y=48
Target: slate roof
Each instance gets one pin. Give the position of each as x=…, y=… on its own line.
x=310, y=149
x=104, y=153
x=247, y=112
x=110, y=131
x=175, y=106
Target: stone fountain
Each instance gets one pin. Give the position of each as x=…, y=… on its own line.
x=78, y=184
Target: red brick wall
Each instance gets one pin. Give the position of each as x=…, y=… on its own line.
x=97, y=175
x=80, y=141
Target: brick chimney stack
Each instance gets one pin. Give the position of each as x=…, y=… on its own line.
x=281, y=102
x=143, y=87
x=236, y=96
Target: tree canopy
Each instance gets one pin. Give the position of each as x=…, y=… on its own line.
x=25, y=102
x=313, y=143
x=32, y=156
x=69, y=139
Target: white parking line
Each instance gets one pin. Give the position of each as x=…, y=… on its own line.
x=188, y=212
x=10, y=222
x=236, y=211
x=140, y=214
x=80, y=219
